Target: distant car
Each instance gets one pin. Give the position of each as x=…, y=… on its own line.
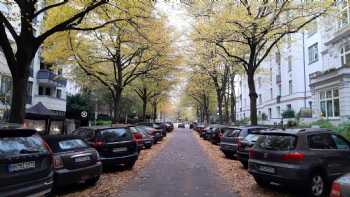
x=74, y=161
x=169, y=126
x=229, y=142
x=305, y=158
x=244, y=146
x=181, y=125
x=148, y=139
x=116, y=145
x=217, y=133
x=341, y=187
x=210, y=131
x=25, y=163
x=199, y=128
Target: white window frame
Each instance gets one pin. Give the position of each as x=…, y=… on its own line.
x=332, y=99
x=344, y=51
x=313, y=53
x=343, y=9
x=290, y=87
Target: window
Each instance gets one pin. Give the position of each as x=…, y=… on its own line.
x=58, y=93
x=340, y=142
x=259, y=82
x=59, y=71
x=278, y=58
x=289, y=63
x=260, y=99
x=6, y=84
x=41, y=90
x=270, y=113
x=29, y=92
x=48, y=91
x=345, y=55
x=279, y=90
x=290, y=87
x=271, y=75
x=321, y=141
x=313, y=53
x=271, y=93
x=344, y=14
x=289, y=107
x=278, y=109
x=329, y=103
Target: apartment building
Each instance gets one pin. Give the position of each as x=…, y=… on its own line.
x=46, y=91
x=309, y=75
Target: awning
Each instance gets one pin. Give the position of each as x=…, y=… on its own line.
x=40, y=112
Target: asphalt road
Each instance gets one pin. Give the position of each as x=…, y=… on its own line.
x=181, y=169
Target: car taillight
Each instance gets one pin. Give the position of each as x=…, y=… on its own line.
x=251, y=153
x=336, y=190
x=134, y=138
x=98, y=158
x=57, y=162
x=50, y=152
x=98, y=143
x=295, y=156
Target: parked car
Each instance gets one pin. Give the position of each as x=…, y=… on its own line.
x=229, y=141
x=169, y=126
x=116, y=145
x=307, y=158
x=74, y=161
x=217, y=133
x=156, y=134
x=25, y=163
x=181, y=125
x=158, y=126
x=244, y=146
x=137, y=136
x=199, y=128
x=341, y=187
x=148, y=139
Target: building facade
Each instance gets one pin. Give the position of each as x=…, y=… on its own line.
x=308, y=74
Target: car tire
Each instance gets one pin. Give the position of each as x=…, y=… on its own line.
x=245, y=164
x=92, y=181
x=148, y=146
x=317, y=185
x=261, y=182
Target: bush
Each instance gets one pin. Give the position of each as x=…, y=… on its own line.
x=344, y=130
x=103, y=122
x=288, y=114
x=322, y=123
x=291, y=123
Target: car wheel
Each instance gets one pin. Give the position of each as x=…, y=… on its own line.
x=245, y=164
x=261, y=182
x=148, y=146
x=92, y=181
x=317, y=185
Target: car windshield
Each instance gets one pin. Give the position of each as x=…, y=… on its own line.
x=21, y=145
x=71, y=144
x=276, y=142
x=111, y=135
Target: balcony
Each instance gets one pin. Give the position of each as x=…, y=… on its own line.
x=50, y=79
x=278, y=79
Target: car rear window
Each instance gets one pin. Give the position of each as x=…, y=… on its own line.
x=231, y=132
x=115, y=134
x=21, y=145
x=276, y=142
x=71, y=144
x=252, y=137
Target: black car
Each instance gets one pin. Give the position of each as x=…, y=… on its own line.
x=171, y=126
x=74, y=161
x=229, y=141
x=115, y=145
x=244, y=146
x=25, y=163
x=305, y=158
x=148, y=139
x=209, y=131
x=155, y=133
x=218, y=132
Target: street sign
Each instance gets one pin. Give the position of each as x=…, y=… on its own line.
x=84, y=114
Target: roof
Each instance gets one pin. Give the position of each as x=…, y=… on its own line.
x=297, y=131
x=60, y=137
x=106, y=127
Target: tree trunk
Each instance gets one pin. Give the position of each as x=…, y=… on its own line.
x=19, y=95
x=116, y=105
x=154, y=111
x=226, y=100
x=220, y=100
x=233, y=98
x=253, y=96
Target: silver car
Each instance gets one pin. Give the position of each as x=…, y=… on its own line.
x=341, y=186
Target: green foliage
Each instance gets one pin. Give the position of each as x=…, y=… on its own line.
x=103, y=122
x=291, y=123
x=288, y=114
x=344, y=130
x=322, y=123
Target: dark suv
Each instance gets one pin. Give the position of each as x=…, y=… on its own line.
x=300, y=157
x=74, y=161
x=25, y=163
x=115, y=145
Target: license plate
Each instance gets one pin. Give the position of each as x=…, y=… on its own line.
x=15, y=167
x=82, y=159
x=267, y=169
x=116, y=150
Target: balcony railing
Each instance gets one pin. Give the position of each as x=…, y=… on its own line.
x=49, y=78
x=278, y=79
